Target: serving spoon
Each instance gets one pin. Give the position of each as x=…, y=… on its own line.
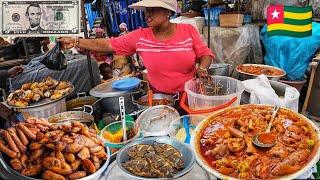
x=266, y=135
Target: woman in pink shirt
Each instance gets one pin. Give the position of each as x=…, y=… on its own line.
x=169, y=51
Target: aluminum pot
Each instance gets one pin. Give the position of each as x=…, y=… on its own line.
x=81, y=99
x=158, y=96
x=111, y=104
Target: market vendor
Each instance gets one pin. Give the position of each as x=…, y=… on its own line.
x=169, y=51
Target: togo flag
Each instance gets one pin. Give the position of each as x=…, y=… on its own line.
x=289, y=21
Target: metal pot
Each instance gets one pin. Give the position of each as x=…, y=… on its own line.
x=111, y=104
x=81, y=99
x=69, y=116
x=158, y=96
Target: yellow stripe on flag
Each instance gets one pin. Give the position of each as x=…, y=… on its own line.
x=298, y=16
x=288, y=27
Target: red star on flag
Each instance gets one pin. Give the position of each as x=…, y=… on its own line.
x=275, y=14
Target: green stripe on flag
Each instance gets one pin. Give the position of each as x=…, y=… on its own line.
x=297, y=21
x=297, y=9
x=289, y=33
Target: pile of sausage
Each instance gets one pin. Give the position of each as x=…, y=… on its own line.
x=39, y=149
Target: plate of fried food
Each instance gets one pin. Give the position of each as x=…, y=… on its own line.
x=156, y=157
x=36, y=149
x=35, y=94
x=223, y=143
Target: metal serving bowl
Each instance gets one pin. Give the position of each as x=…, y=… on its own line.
x=195, y=143
x=244, y=75
x=184, y=149
x=17, y=176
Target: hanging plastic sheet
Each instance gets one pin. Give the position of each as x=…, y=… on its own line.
x=235, y=45
x=289, y=53
x=124, y=13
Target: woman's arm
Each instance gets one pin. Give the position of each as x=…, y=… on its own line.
x=97, y=45
x=204, y=63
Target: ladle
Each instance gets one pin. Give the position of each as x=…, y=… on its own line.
x=266, y=135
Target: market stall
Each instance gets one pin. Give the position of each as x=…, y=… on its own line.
x=187, y=114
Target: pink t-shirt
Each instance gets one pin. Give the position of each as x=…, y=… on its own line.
x=169, y=63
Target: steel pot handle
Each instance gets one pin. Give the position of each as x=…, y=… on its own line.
x=81, y=94
x=134, y=101
x=88, y=107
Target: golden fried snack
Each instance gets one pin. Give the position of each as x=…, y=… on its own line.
x=51, y=162
x=22, y=137
x=77, y=175
x=23, y=160
x=9, y=140
x=32, y=170
x=96, y=161
x=13, y=134
x=70, y=157
x=96, y=149
x=76, y=129
x=35, y=146
x=88, y=166
x=76, y=164
x=65, y=169
x=60, y=156
x=16, y=164
x=85, y=131
x=84, y=153
x=36, y=154
x=49, y=175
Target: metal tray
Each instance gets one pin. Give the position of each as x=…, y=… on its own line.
x=114, y=172
x=42, y=102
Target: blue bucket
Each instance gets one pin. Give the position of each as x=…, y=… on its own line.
x=214, y=15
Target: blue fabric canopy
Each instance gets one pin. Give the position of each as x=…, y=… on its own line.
x=290, y=53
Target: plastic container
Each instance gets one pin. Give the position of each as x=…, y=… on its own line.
x=114, y=127
x=214, y=15
x=45, y=111
x=176, y=126
x=227, y=92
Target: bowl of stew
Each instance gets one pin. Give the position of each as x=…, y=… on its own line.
x=157, y=99
x=223, y=144
x=250, y=71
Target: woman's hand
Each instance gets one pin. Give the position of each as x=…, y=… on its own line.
x=67, y=42
x=202, y=74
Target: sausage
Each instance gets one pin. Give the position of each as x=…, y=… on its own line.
x=12, y=132
x=27, y=132
x=22, y=137
x=10, y=141
x=7, y=151
x=42, y=128
x=235, y=132
x=77, y=175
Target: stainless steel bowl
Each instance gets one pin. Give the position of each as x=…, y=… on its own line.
x=157, y=96
x=245, y=76
x=184, y=149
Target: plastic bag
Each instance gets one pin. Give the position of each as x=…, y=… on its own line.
x=55, y=59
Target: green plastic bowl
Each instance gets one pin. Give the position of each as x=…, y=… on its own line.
x=114, y=127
